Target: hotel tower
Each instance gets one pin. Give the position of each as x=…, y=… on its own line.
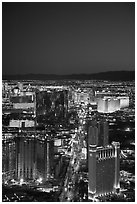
x=103, y=161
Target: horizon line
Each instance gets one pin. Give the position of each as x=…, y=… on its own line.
x=69, y=73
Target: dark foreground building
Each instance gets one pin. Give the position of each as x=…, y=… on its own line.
x=28, y=158
x=51, y=106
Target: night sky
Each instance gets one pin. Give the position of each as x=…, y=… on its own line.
x=66, y=38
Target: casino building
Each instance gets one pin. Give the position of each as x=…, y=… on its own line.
x=103, y=161
x=34, y=158
x=108, y=105
x=23, y=109
x=27, y=158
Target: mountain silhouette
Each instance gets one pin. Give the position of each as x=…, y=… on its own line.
x=111, y=75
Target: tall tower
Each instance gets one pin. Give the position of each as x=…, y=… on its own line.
x=98, y=131
x=103, y=161
x=103, y=133
x=117, y=164
x=92, y=170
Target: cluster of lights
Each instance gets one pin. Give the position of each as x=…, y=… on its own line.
x=128, y=129
x=21, y=181
x=39, y=180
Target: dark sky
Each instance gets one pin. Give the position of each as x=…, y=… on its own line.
x=66, y=38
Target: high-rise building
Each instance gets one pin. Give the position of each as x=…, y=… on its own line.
x=99, y=131
x=8, y=159
x=27, y=158
x=51, y=106
x=103, y=161
x=23, y=110
x=34, y=158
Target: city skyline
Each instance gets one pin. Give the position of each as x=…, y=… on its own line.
x=68, y=140
x=68, y=102
x=67, y=38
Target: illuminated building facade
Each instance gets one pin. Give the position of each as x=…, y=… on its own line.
x=34, y=158
x=21, y=123
x=102, y=105
x=23, y=109
x=113, y=105
x=27, y=158
x=8, y=159
x=103, y=164
x=23, y=100
x=108, y=105
x=124, y=101
x=86, y=96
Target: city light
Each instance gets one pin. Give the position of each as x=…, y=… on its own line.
x=21, y=181
x=128, y=129
x=39, y=180
x=67, y=135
